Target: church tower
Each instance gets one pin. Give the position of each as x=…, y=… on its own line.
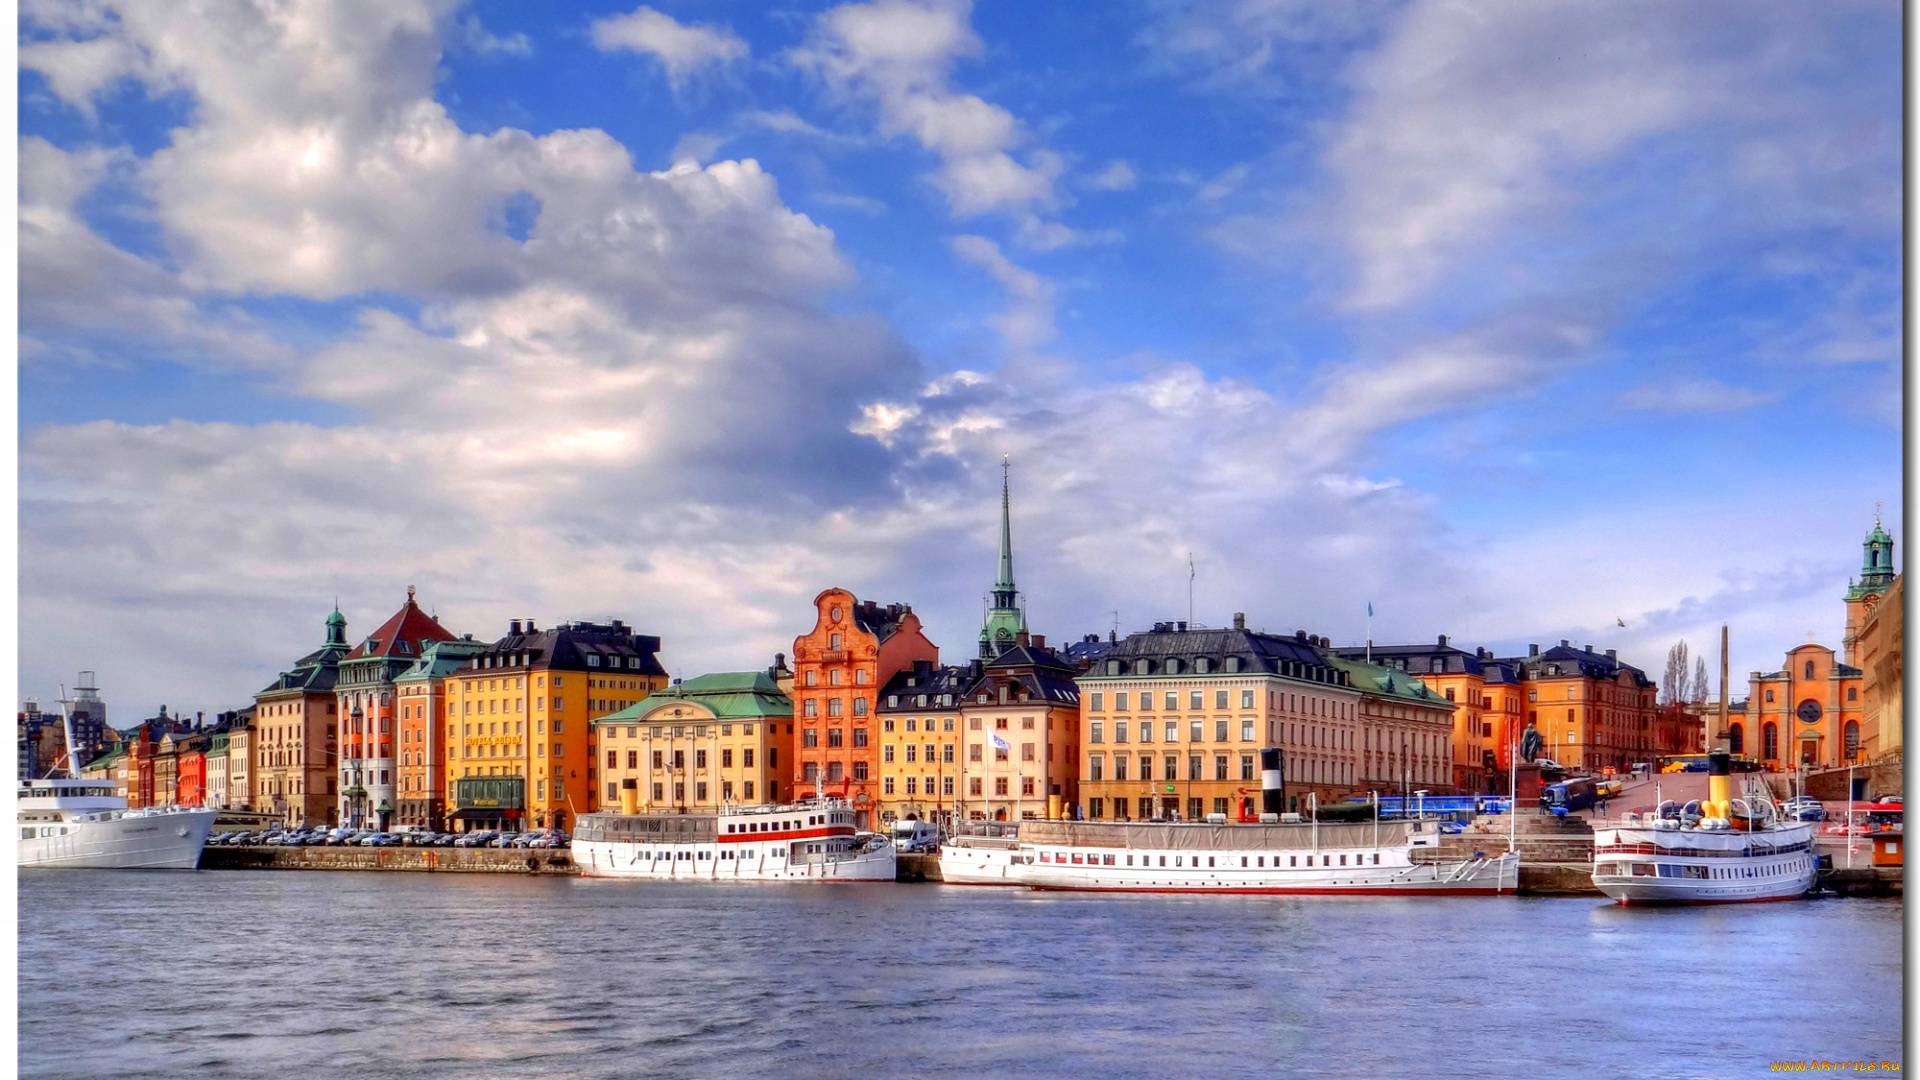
x=1876, y=577
x=1006, y=623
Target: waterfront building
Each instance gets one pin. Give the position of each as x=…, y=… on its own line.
x=1405, y=731
x=241, y=768
x=1593, y=710
x=1176, y=717
x=854, y=648
x=693, y=747
x=919, y=712
x=1020, y=736
x=1869, y=591
x=190, y=764
x=297, y=735
x=422, y=695
x=217, y=751
x=519, y=716
x=109, y=768
x=365, y=712
x=1806, y=715
x=1881, y=651
x=1460, y=677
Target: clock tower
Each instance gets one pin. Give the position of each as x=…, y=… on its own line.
x=1876, y=577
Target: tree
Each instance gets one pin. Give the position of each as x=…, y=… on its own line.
x=1701, y=691
x=1673, y=684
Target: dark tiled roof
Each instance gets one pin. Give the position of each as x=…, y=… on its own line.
x=1040, y=672
x=1293, y=657
x=1418, y=659
x=1571, y=661
x=879, y=621
x=932, y=681
x=579, y=646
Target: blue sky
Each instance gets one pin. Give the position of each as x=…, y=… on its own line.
x=1516, y=326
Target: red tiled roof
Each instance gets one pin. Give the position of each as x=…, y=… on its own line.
x=410, y=625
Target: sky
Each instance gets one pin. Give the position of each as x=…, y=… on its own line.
x=1518, y=322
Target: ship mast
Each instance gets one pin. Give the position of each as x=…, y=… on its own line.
x=66, y=725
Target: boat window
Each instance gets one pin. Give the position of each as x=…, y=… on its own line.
x=1243, y=860
x=1106, y=860
x=1163, y=860
x=1376, y=859
x=1293, y=860
x=1343, y=860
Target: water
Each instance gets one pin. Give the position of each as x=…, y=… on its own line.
x=301, y=974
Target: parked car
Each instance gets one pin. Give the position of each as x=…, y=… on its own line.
x=1804, y=808
x=475, y=839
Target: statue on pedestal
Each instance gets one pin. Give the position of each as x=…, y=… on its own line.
x=1531, y=744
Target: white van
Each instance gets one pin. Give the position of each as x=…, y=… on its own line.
x=915, y=836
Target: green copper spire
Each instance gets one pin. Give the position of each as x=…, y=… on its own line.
x=1005, y=622
x=1876, y=562
x=336, y=627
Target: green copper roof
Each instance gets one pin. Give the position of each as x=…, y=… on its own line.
x=1876, y=564
x=1387, y=682
x=731, y=695
x=1006, y=621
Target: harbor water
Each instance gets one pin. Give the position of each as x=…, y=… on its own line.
x=354, y=974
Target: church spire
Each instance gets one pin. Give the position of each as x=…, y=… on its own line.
x=1005, y=622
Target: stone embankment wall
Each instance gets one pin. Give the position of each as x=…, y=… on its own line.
x=1556, y=853
x=430, y=859
x=917, y=868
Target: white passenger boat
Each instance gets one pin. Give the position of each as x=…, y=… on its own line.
x=86, y=824
x=1342, y=859
x=1737, y=851
x=814, y=841
x=983, y=853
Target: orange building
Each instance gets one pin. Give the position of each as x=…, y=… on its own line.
x=1806, y=715
x=1593, y=710
x=519, y=736
x=422, y=762
x=365, y=697
x=854, y=648
x=1460, y=677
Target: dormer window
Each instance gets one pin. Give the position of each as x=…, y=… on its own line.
x=1233, y=663
x=593, y=659
x=1173, y=667
x=1202, y=665
x=1142, y=667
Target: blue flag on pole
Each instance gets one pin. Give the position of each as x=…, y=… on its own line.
x=1369, y=609
x=998, y=742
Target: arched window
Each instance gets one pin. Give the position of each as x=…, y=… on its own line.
x=1853, y=693
x=1769, y=695
x=1736, y=740
x=1853, y=739
x=1770, y=742
x=1809, y=669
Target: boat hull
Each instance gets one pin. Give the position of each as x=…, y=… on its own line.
x=964, y=864
x=1648, y=867
x=614, y=859
x=159, y=841
x=1486, y=876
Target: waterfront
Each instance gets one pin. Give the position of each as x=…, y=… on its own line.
x=416, y=975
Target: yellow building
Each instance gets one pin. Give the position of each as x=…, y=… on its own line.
x=1176, y=718
x=1406, y=731
x=919, y=712
x=725, y=738
x=1464, y=679
x=519, y=720
x=1881, y=651
x=1020, y=736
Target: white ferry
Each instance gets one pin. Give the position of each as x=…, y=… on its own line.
x=984, y=853
x=813, y=841
x=86, y=824
x=1737, y=851
x=1381, y=858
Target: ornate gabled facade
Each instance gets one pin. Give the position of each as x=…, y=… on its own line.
x=854, y=648
x=364, y=697
x=296, y=737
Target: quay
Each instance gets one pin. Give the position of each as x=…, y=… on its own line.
x=421, y=859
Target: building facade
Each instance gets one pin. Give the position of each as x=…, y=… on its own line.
x=523, y=708
x=854, y=648
x=240, y=764
x=1406, y=730
x=1881, y=651
x=1457, y=676
x=422, y=696
x=1807, y=715
x=1020, y=736
x=1175, y=720
x=297, y=735
x=919, y=711
x=712, y=741
x=1594, y=711
x=1864, y=595
x=365, y=711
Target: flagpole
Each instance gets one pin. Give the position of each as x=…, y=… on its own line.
x=1369, y=631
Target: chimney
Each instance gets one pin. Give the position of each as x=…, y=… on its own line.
x=1113, y=637
x=530, y=628
x=1239, y=620
x=1610, y=655
x=1533, y=650
x=1039, y=641
x=1181, y=627
x=779, y=661
x=1443, y=641
x=1563, y=643
x=514, y=628
x=1021, y=638
x=1589, y=647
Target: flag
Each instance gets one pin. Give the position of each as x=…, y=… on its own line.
x=998, y=742
x=1369, y=609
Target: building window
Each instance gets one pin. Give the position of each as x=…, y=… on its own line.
x=1096, y=808
x=1769, y=696
x=973, y=752
x=1096, y=765
x=999, y=785
x=1246, y=731
x=1097, y=702
x=946, y=755
x=1026, y=789
x=1449, y=693
x=1026, y=751
x=810, y=738
x=1196, y=731
x=746, y=761
x=886, y=785
x=1219, y=731
x=859, y=735
x=1809, y=669
x=1853, y=693
x=973, y=786
x=887, y=725
x=810, y=772
x=1770, y=741
x=1219, y=699
x=946, y=785
x=726, y=759
x=859, y=706
x=835, y=707
x=859, y=771
x=1096, y=731
x=1119, y=766
x=1193, y=767
x=835, y=737
x=886, y=754
x=1173, y=700
x=1120, y=731
x=1220, y=766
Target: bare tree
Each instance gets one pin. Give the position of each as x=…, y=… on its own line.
x=1673, y=684
x=1701, y=691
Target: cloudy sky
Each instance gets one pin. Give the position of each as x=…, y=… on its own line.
x=1514, y=320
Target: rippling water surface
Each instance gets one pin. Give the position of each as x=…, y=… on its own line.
x=307, y=974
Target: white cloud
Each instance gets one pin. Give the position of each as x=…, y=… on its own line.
x=1028, y=320
x=1690, y=395
x=1117, y=176
x=1223, y=185
x=682, y=49
x=897, y=56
